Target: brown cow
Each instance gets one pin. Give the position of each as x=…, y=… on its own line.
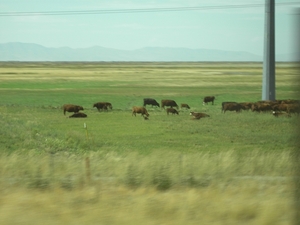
x=290, y=101
x=223, y=104
x=170, y=103
x=183, y=105
x=261, y=107
x=208, y=99
x=78, y=115
x=139, y=110
x=246, y=105
x=173, y=111
x=72, y=108
x=103, y=106
x=198, y=116
x=277, y=114
x=293, y=108
x=231, y=106
x=280, y=107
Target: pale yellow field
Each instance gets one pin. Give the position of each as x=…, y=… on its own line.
x=66, y=191
x=247, y=202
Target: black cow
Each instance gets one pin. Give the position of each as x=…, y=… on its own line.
x=208, y=99
x=150, y=101
x=78, y=115
x=103, y=106
x=170, y=103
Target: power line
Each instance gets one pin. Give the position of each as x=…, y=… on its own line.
x=141, y=10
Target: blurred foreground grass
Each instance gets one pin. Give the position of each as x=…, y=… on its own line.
x=160, y=188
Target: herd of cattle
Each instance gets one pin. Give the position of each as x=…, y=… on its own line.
x=277, y=107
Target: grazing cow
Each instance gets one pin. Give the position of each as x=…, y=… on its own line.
x=231, y=106
x=183, y=105
x=280, y=107
x=277, y=114
x=246, y=105
x=72, y=108
x=208, y=99
x=224, y=103
x=78, y=115
x=173, y=111
x=198, y=116
x=170, y=103
x=261, y=107
x=150, y=101
x=290, y=101
x=103, y=106
x=139, y=110
x=293, y=108
x=280, y=101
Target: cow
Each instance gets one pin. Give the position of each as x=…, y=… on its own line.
x=150, y=101
x=224, y=103
x=293, y=108
x=140, y=110
x=198, y=115
x=183, y=105
x=246, y=105
x=103, y=106
x=72, y=108
x=208, y=99
x=173, y=111
x=170, y=103
x=277, y=114
x=231, y=106
x=282, y=107
x=78, y=115
x=290, y=101
x=261, y=107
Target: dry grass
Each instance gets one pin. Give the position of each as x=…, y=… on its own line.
x=245, y=202
x=161, y=188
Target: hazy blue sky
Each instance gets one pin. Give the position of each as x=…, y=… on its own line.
x=224, y=28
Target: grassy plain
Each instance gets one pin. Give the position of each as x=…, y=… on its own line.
x=226, y=169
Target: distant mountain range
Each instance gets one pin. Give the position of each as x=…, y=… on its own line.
x=16, y=51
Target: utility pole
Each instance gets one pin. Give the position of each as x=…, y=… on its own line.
x=268, y=84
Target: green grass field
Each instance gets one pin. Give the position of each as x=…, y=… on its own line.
x=232, y=168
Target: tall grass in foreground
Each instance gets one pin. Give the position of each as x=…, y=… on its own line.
x=160, y=188
x=161, y=170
